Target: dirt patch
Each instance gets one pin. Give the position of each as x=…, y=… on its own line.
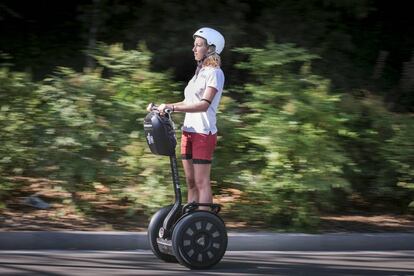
x=66, y=219
x=97, y=210
x=105, y=212
x=368, y=223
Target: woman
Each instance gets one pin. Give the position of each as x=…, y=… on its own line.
x=202, y=97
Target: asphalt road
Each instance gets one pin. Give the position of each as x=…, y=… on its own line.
x=142, y=262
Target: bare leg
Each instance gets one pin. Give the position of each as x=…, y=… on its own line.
x=202, y=182
x=189, y=178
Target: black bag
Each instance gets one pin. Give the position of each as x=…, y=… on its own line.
x=160, y=134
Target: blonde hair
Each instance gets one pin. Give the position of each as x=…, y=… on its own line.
x=213, y=59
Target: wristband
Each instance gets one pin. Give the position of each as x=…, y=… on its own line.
x=206, y=100
x=173, y=108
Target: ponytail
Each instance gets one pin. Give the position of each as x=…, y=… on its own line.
x=213, y=59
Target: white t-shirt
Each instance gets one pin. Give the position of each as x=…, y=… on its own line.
x=203, y=122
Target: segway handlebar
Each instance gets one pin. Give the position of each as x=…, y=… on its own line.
x=154, y=107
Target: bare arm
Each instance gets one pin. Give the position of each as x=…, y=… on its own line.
x=201, y=106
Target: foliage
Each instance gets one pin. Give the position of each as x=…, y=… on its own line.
x=17, y=123
x=295, y=120
x=290, y=146
x=398, y=151
x=381, y=149
x=348, y=34
x=84, y=128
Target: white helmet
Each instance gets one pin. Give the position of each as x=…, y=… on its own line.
x=212, y=36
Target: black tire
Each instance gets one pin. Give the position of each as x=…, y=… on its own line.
x=199, y=240
x=153, y=228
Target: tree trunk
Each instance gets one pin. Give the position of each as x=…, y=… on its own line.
x=93, y=30
x=379, y=65
x=407, y=76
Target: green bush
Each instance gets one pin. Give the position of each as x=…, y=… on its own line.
x=17, y=112
x=382, y=169
x=295, y=121
x=398, y=151
x=85, y=128
x=290, y=146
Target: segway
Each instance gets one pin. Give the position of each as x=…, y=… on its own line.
x=195, y=238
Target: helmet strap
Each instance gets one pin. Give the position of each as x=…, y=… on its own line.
x=208, y=54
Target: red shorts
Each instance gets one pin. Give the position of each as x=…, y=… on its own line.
x=198, y=146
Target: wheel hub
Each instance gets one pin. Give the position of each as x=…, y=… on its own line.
x=202, y=240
